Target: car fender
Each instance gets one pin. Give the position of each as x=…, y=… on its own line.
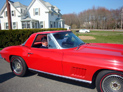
x=21, y=51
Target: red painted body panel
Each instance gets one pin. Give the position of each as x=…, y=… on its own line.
x=90, y=59
x=81, y=63
x=48, y=60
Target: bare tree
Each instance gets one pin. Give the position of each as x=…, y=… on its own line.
x=95, y=18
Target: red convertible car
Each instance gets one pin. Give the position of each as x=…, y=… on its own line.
x=65, y=55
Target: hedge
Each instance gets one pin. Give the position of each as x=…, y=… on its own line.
x=18, y=36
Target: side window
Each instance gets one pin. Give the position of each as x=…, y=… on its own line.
x=40, y=40
x=51, y=43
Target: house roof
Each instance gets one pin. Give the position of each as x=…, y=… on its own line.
x=2, y=9
x=29, y=19
x=56, y=8
x=15, y=5
x=18, y=4
x=50, y=5
x=59, y=19
x=46, y=4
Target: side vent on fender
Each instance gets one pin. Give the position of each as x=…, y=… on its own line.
x=78, y=72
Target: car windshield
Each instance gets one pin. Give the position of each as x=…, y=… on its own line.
x=67, y=39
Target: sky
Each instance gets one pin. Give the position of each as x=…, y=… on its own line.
x=75, y=6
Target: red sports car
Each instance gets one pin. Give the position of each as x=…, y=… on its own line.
x=63, y=54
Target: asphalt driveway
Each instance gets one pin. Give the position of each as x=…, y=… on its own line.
x=34, y=82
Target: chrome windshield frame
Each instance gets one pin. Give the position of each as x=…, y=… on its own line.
x=56, y=43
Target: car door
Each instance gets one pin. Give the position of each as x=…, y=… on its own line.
x=46, y=60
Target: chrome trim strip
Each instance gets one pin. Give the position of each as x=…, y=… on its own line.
x=62, y=76
x=57, y=44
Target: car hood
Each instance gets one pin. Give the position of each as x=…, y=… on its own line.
x=102, y=49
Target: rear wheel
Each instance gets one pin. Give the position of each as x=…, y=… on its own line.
x=18, y=66
x=109, y=81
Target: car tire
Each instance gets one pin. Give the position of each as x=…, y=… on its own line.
x=18, y=66
x=109, y=81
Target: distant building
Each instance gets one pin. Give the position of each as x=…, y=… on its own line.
x=39, y=14
x=67, y=26
x=87, y=24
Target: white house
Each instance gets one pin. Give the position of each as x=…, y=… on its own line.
x=39, y=14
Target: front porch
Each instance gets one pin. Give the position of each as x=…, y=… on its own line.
x=29, y=23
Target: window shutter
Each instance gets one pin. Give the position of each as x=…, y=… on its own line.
x=4, y=13
x=33, y=11
x=43, y=24
x=16, y=25
x=39, y=11
x=4, y=25
x=14, y=13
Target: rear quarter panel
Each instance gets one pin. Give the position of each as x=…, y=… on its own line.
x=14, y=50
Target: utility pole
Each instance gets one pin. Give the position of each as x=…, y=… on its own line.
x=121, y=18
x=9, y=14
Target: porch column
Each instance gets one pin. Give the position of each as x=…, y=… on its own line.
x=61, y=24
x=58, y=24
x=26, y=24
x=31, y=24
x=37, y=24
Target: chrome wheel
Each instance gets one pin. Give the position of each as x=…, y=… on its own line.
x=109, y=81
x=112, y=83
x=17, y=66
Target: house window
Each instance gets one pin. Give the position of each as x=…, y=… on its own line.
x=36, y=11
x=52, y=14
x=54, y=24
x=21, y=11
x=23, y=25
x=51, y=24
x=14, y=25
x=36, y=24
x=6, y=14
x=12, y=13
x=28, y=24
x=24, y=11
x=41, y=24
x=33, y=25
x=6, y=25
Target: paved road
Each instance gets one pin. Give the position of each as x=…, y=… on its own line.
x=38, y=82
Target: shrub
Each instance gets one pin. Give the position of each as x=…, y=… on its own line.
x=18, y=36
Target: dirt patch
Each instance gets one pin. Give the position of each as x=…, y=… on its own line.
x=87, y=37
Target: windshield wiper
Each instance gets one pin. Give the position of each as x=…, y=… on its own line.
x=79, y=45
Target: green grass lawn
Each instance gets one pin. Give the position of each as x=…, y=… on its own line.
x=103, y=37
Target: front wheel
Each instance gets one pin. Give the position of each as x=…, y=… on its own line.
x=18, y=66
x=109, y=81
